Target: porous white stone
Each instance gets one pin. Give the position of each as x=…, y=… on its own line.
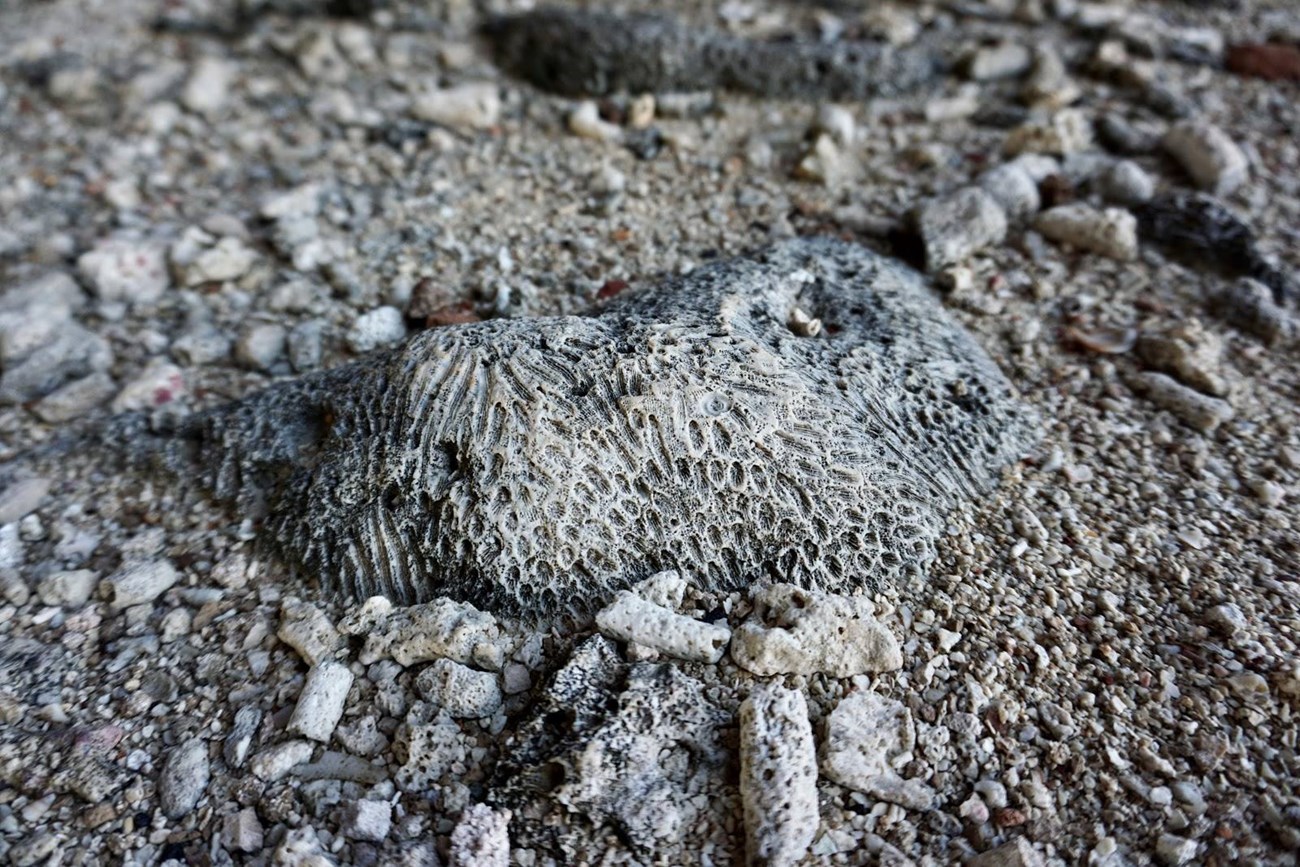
x=75, y=399
x=301, y=848
x=1049, y=86
x=953, y=227
x=67, y=589
x=869, y=740
x=1111, y=233
x=585, y=120
x=141, y=582
x=796, y=631
x=1189, y=352
x=466, y=106
x=380, y=327
x=1011, y=185
x=208, y=88
x=460, y=690
x=307, y=629
x=1175, y=851
x=481, y=838
x=274, y=762
x=1004, y=60
x=441, y=628
x=665, y=589
x=125, y=270
x=1068, y=131
x=227, y=259
x=1208, y=154
x=778, y=775
x=368, y=820
x=242, y=831
x=320, y=705
x=34, y=312
x=634, y=619
x=433, y=749
x=837, y=122
x=261, y=346
x=158, y=383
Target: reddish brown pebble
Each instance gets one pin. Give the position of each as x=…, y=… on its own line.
x=452, y=314
x=1269, y=61
x=1009, y=817
x=1056, y=190
x=611, y=288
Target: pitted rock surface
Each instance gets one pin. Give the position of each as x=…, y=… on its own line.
x=536, y=466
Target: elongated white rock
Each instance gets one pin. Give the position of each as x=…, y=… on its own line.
x=320, y=706
x=1112, y=232
x=140, y=583
x=1201, y=411
x=1209, y=155
x=632, y=618
x=481, y=838
x=778, y=776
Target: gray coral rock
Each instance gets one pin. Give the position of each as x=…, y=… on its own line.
x=595, y=53
x=635, y=748
x=538, y=466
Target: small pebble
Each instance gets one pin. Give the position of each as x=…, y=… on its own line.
x=481, y=838
x=184, y=778
x=242, y=831
x=367, y=820
x=382, y=326
x=1209, y=155
x=320, y=705
x=468, y=106
x=459, y=689
x=1126, y=183
x=208, y=89
x=1175, y=851
x=955, y=226
x=140, y=583
x=1111, y=233
x=261, y=346
x=1004, y=60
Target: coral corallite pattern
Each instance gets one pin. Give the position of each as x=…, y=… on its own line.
x=533, y=467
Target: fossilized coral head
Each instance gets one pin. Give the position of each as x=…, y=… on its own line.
x=534, y=466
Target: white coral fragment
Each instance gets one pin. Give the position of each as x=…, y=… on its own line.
x=796, y=631
x=778, y=775
x=869, y=740
x=634, y=619
x=441, y=628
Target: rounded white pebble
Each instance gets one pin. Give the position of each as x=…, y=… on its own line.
x=320, y=706
x=379, y=327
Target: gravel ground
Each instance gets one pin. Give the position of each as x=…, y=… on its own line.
x=203, y=196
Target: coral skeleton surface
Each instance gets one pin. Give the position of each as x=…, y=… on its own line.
x=535, y=466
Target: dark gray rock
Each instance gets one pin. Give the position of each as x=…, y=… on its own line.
x=595, y=53
x=536, y=466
